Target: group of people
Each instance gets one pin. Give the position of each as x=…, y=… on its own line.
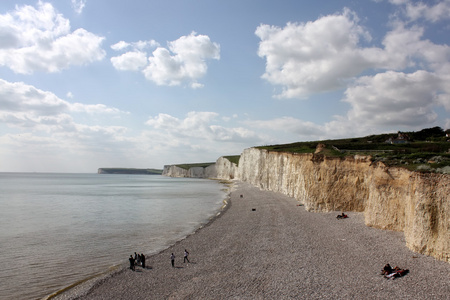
x=138, y=259
x=342, y=216
x=172, y=258
x=393, y=273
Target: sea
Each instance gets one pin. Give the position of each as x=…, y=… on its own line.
x=57, y=230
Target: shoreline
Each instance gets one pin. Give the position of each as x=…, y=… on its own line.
x=82, y=287
x=267, y=247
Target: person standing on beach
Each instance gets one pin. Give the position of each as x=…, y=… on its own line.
x=143, y=260
x=136, y=258
x=131, y=259
x=172, y=259
x=186, y=253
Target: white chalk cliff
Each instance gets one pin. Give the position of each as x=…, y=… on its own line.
x=390, y=198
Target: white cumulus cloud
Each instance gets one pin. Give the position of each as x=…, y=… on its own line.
x=316, y=56
x=433, y=12
x=199, y=126
x=40, y=39
x=24, y=106
x=406, y=48
x=78, y=5
x=394, y=98
x=130, y=61
x=136, y=46
x=183, y=61
x=405, y=82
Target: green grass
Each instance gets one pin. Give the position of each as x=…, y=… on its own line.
x=233, y=159
x=202, y=165
x=433, y=151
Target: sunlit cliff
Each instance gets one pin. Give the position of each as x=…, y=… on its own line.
x=390, y=197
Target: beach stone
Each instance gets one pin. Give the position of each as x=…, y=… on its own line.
x=283, y=252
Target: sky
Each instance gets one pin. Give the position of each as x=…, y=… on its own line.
x=88, y=84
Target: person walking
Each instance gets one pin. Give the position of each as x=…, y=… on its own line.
x=172, y=259
x=186, y=254
x=131, y=259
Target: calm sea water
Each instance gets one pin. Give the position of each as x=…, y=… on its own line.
x=58, y=229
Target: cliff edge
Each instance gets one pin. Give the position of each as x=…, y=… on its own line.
x=390, y=198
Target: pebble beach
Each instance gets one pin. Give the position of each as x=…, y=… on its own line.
x=264, y=245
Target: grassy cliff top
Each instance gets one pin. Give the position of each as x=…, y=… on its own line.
x=194, y=165
x=233, y=159
x=425, y=150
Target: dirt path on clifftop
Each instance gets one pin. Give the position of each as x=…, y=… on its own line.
x=280, y=251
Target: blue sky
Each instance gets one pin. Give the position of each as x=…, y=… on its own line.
x=106, y=83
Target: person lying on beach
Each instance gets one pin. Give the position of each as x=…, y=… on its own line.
x=386, y=270
x=396, y=272
x=341, y=216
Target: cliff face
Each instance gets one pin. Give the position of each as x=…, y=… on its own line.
x=225, y=169
x=174, y=171
x=391, y=198
x=222, y=169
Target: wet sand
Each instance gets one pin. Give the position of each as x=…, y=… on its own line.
x=264, y=246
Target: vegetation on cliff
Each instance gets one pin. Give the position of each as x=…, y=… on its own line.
x=425, y=150
x=195, y=165
x=233, y=158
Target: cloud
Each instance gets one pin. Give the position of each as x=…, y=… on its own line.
x=183, y=61
x=420, y=10
x=130, y=61
x=136, y=46
x=45, y=136
x=22, y=98
x=405, y=47
x=120, y=46
x=390, y=101
x=406, y=85
x=327, y=54
x=78, y=5
x=394, y=99
x=39, y=39
x=291, y=125
x=316, y=56
x=95, y=109
x=24, y=106
x=199, y=127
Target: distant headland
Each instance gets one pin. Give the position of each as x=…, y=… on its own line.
x=129, y=171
